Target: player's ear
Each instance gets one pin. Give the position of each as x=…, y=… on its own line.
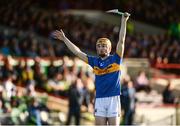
x=109, y=48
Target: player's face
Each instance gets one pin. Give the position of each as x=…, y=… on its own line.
x=103, y=50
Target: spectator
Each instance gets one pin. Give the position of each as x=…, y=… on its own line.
x=168, y=97
x=174, y=29
x=34, y=112
x=56, y=85
x=9, y=86
x=131, y=111
x=2, y=101
x=39, y=76
x=30, y=86
x=128, y=101
x=15, y=111
x=142, y=82
x=27, y=73
x=84, y=90
x=5, y=50
x=51, y=70
x=75, y=101
x=124, y=99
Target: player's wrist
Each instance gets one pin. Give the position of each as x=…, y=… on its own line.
x=64, y=38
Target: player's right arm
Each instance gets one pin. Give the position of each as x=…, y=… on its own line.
x=61, y=36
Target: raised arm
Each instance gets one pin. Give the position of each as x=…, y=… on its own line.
x=122, y=34
x=61, y=36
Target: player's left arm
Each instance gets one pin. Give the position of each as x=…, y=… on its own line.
x=122, y=34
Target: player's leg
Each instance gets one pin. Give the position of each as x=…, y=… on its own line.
x=100, y=120
x=100, y=111
x=114, y=110
x=70, y=115
x=114, y=121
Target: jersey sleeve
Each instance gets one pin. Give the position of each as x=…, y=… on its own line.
x=91, y=60
x=117, y=58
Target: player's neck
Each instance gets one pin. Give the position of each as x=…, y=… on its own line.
x=103, y=58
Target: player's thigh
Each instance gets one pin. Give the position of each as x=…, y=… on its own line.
x=100, y=120
x=114, y=121
x=114, y=108
x=100, y=108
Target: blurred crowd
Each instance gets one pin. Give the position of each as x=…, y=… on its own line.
x=63, y=78
x=157, y=48
x=59, y=81
x=157, y=12
x=29, y=17
x=19, y=105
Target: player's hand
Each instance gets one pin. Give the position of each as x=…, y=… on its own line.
x=59, y=35
x=126, y=15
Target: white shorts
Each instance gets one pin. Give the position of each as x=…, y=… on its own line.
x=107, y=107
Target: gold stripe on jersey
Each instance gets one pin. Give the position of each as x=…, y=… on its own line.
x=109, y=69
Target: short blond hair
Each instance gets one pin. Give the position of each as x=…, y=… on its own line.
x=104, y=41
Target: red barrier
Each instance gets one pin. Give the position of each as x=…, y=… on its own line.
x=167, y=66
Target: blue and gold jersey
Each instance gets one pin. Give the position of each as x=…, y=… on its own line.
x=107, y=72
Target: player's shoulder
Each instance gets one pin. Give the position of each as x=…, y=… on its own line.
x=92, y=56
x=114, y=55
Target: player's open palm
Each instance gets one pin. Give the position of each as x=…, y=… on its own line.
x=59, y=35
